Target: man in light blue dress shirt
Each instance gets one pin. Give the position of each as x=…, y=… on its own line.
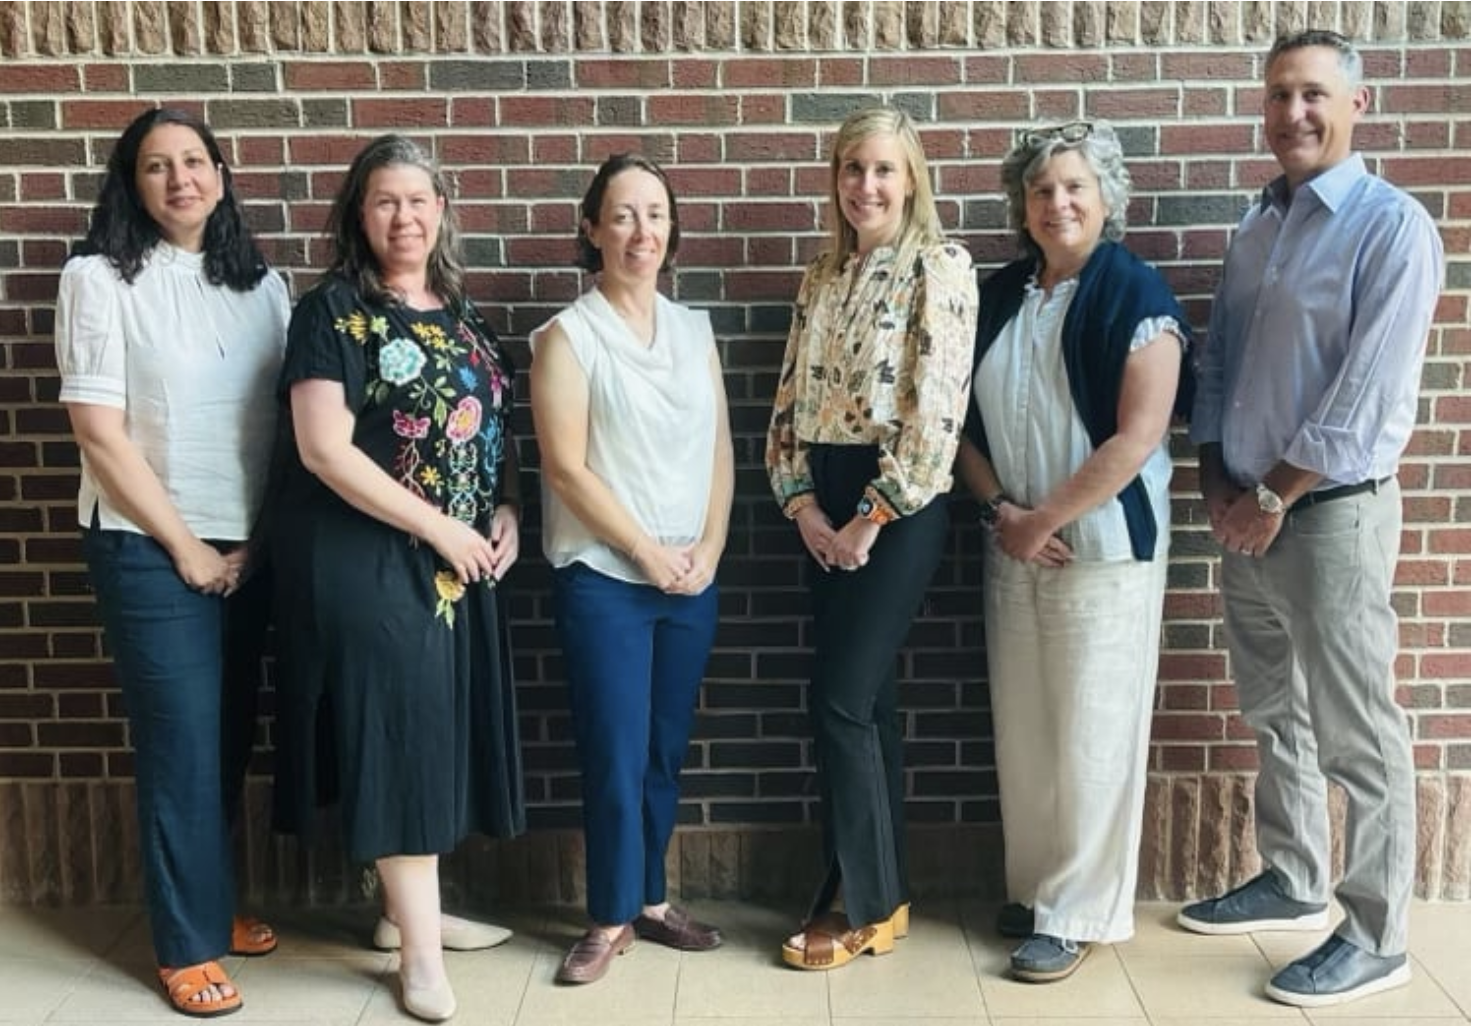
x=1307, y=392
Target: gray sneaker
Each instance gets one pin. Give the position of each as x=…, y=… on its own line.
x=1259, y=904
x=1335, y=972
x=1043, y=958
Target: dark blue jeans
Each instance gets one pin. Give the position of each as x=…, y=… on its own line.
x=189, y=668
x=635, y=659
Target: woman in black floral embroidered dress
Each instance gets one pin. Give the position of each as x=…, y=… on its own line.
x=396, y=519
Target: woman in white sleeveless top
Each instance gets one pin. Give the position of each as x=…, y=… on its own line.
x=637, y=469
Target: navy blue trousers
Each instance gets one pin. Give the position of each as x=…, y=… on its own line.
x=189, y=667
x=635, y=658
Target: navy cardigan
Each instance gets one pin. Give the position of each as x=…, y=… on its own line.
x=1116, y=291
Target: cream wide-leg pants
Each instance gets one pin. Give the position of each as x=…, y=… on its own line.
x=1072, y=655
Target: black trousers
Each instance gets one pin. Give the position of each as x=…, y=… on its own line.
x=860, y=621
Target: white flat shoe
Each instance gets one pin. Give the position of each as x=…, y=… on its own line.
x=455, y=935
x=432, y=1004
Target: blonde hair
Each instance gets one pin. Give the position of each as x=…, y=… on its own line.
x=920, y=223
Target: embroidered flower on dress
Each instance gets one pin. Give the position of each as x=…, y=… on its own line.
x=432, y=335
x=464, y=420
x=354, y=324
x=410, y=427
x=449, y=589
x=400, y=361
x=430, y=476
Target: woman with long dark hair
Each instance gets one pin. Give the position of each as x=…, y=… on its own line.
x=169, y=335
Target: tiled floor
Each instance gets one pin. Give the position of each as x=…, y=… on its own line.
x=93, y=966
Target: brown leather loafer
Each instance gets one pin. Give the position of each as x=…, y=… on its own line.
x=678, y=930
x=590, y=956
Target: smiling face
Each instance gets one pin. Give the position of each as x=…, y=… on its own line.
x=401, y=217
x=633, y=229
x=178, y=184
x=873, y=185
x=1065, y=210
x=1309, y=111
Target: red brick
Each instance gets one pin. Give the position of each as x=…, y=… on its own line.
x=330, y=76
x=706, y=111
x=640, y=73
x=777, y=216
x=1447, y=98
x=766, y=146
x=770, y=73
x=418, y=114
x=1183, y=727
x=695, y=74
x=1446, y=603
x=932, y=72
x=1048, y=68
x=1449, y=727
x=39, y=78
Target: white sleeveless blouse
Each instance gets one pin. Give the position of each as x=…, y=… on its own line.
x=651, y=428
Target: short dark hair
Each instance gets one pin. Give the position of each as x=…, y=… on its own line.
x=590, y=258
x=352, y=257
x=121, y=229
x=1349, y=57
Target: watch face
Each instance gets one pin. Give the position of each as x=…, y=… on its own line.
x=990, y=514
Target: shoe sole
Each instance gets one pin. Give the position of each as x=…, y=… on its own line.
x=1303, y=924
x=1053, y=975
x=1398, y=977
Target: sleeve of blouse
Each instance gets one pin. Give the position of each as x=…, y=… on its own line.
x=787, y=457
x=942, y=334
x=326, y=341
x=91, y=352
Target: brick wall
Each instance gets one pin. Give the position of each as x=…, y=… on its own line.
x=520, y=101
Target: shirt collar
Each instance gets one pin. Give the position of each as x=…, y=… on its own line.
x=1331, y=187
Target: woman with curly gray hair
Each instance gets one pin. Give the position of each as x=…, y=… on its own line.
x=1079, y=353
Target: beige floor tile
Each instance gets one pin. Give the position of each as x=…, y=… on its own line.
x=640, y=987
x=33, y=987
x=786, y=1019
x=746, y=976
x=929, y=975
x=27, y=932
x=1441, y=944
x=1050, y=1020
x=1100, y=987
x=116, y=992
x=1249, y=1020
x=1382, y=1020
x=747, y=982
x=328, y=990
x=1205, y=988
x=924, y=1020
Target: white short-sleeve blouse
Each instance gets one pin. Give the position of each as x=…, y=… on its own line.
x=194, y=368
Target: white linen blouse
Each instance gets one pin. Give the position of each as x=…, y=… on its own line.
x=1037, y=438
x=193, y=366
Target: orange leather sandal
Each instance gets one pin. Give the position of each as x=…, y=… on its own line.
x=183, y=985
x=830, y=943
x=251, y=937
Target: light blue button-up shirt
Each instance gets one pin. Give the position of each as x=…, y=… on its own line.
x=1319, y=328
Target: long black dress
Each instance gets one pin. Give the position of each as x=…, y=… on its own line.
x=394, y=687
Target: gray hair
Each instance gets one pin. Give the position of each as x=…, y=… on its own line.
x=1350, y=64
x=1096, y=142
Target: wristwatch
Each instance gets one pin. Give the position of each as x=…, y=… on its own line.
x=1269, y=501
x=874, y=512
x=991, y=509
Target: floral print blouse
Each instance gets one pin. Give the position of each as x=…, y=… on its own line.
x=879, y=353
